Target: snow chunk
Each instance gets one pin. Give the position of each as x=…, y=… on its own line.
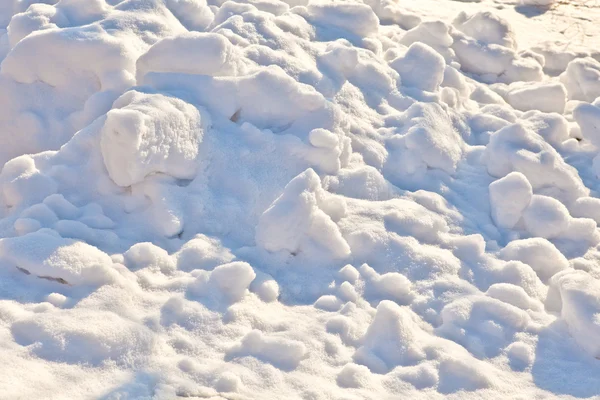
x=297, y=220
x=144, y=255
x=546, y=217
x=190, y=53
x=509, y=197
x=582, y=79
x=22, y=182
x=356, y=18
x=202, y=252
x=576, y=296
x=539, y=253
x=72, y=56
x=482, y=324
x=391, y=339
x=84, y=336
x=554, y=128
x=149, y=133
x=587, y=117
x=354, y=376
x=53, y=257
x=486, y=27
x=546, y=97
x=586, y=207
x=420, y=67
x=195, y=15
x=430, y=141
x=280, y=352
x=512, y=294
x=233, y=279
x=265, y=287
x=456, y=374
x=516, y=148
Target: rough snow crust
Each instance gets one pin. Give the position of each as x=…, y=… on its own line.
x=301, y=199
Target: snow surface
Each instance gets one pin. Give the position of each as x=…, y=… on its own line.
x=304, y=199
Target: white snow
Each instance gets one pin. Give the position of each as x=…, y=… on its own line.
x=304, y=199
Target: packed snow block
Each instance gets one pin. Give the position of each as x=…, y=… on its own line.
x=587, y=117
x=270, y=98
x=195, y=15
x=435, y=34
x=420, y=67
x=298, y=220
x=82, y=59
x=356, y=18
x=392, y=339
x=364, y=182
x=541, y=255
x=278, y=351
x=545, y=97
x=390, y=12
x=433, y=137
x=52, y=257
x=149, y=133
x=190, y=53
x=509, y=197
x=233, y=279
x=486, y=27
x=523, y=68
x=84, y=336
x=23, y=183
x=202, y=252
x=265, y=286
x=575, y=295
x=148, y=255
x=354, y=376
x=483, y=325
x=390, y=286
x=516, y=148
x=553, y=127
x=582, y=79
x=546, y=217
x=480, y=58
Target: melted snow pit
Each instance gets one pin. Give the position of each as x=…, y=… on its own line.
x=302, y=199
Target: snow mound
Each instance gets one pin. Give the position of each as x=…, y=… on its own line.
x=74, y=336
x=47, y=255
x=308, y=199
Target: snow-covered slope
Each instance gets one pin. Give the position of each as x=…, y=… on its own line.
x=299, y=199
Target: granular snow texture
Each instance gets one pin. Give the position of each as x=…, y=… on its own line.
x=299, y=199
